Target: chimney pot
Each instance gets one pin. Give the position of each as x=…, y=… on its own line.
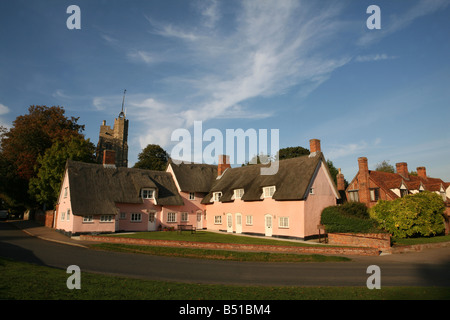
x=224, y=163
x=109, y=158
x=402, y=169
x=314, y=146
x=422, y=172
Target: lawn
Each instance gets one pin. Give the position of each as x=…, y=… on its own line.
x=24, y=281
x=206, y=236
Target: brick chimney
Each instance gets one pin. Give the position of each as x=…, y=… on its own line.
x=363, y=180
x=109, y=158
x=402, y=169
x=314, y=146
x=340, y=181
x=224, y=163
x=422, y=172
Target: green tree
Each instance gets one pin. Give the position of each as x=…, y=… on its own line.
x=152, y=157
x=291, y=152
x=29, y=137
x=385, y=167
x=420, y=214
x=45, y=187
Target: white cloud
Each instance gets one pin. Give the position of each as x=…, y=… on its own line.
x=3, y=109
x=374, y=57
x=140, y=55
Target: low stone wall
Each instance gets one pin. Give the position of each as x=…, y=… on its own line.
x=381, y=241
x=238, y=247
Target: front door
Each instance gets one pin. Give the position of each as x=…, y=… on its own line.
x=268, y=225
x=238, y=223
x=229, y=222
x=151, y=221
x=199, y=221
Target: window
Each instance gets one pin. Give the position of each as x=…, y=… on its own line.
x=65, y=192
x=283, y=222
x=68, y=214
x=374, y=194
x=403, y=192
x=311, y=191
x=88, y=219
x=217, y=196
x=353, y=195
x=269, y=191
x=123, y=215
x=238, y=193
x=249, y=220
x=148, y=194
x=136, y=217
x=106, y=218
x=217, y=219
x=191, y=195
x=63, y=215
x=184, y=216
x=171, y=217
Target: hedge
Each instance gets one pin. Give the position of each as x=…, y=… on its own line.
x=416, y=215
x=351, y=217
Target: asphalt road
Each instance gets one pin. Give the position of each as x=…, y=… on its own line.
x=428, y=268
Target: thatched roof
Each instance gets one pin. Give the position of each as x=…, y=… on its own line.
x=292, y=180
x=95, y=189
x=194, y=177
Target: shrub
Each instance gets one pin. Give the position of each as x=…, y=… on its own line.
x=420, y=214
x=351, y=217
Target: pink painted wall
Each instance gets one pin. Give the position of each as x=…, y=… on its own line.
x=304, y=216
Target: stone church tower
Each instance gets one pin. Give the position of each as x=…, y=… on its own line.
x=114, y=139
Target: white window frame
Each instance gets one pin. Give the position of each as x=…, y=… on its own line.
x=269, y=191
x=191, y=195
x=353, y=195
x=217, y=219
x=136, y=217
x=217, y=196
x=63, y=215
x=249, y=220
x=171, y=217
x=68, y=215
x=123, y=215
x=238, y=193
x=88, y=219
x=106, y=218
x=311, y=190
x=283, y=222
x=146, y=191
x=65, y=192
x=184, y=217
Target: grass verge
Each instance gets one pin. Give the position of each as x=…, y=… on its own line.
x=218, y=254
x=24, y=281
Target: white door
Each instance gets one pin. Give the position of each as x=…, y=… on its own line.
x=199, y=220
x=151, y=221
x=238, y=223
x=229, y=222
x=268, y=224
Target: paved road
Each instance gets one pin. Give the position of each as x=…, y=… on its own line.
x=428, y=268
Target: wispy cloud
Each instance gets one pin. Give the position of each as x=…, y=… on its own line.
x=374, y=57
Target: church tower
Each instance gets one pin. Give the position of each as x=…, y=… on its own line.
x=115, y=139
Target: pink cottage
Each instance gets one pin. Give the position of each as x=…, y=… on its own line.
x=97, y=198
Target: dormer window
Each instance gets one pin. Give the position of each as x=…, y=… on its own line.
x=217, y=196
x=268, y=191
x=238, y=193
x=148, y=193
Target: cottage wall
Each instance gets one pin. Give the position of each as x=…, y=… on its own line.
x=63, y=220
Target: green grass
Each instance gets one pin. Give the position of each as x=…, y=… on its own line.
x=218, y=254
x=422, y=240
x=23, y=281
x=205, y=236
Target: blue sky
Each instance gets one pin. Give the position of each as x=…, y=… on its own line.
x=311, y=69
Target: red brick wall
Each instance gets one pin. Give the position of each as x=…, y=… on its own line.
x=369, y=240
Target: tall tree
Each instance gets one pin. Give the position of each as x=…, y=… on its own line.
x=45, y=187
x=152, y=157
x=30, y=136
x=385, y=167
